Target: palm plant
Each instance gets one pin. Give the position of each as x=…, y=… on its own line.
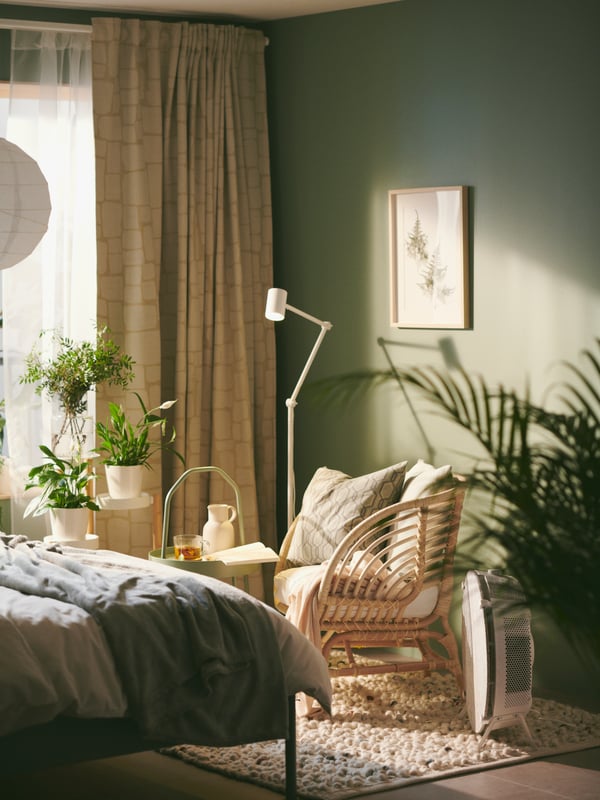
x=539, y=473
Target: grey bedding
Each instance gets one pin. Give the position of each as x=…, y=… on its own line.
x=199, y=661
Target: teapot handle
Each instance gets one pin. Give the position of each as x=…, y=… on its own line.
x=233, y=512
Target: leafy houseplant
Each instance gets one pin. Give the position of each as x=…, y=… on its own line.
x=75, y=369
x=126, y=444
x=539, y=473
x=64, y=484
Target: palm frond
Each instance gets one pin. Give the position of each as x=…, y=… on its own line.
x=342, y=390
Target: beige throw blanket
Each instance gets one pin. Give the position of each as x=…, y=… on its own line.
x=302, y=610
x=302, y=613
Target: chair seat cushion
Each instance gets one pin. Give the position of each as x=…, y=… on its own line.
x=290, y=583
x=334, y=503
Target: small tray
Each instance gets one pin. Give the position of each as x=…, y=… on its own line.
x=215, y=569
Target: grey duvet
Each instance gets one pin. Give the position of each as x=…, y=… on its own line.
x=196, y=659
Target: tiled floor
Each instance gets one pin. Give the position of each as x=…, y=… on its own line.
x=149, y=776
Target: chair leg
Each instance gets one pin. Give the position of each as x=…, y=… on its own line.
x=450, y=661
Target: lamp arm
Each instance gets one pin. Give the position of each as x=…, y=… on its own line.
x=325, y=326
x=291, y=404
x=300, y=313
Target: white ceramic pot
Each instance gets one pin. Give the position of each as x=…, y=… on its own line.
x=124, y=483
x=69, y=524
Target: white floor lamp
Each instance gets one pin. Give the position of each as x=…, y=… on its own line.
x=275, y=310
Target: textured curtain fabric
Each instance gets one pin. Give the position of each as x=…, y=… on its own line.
x=185, y=252
x=50, y=118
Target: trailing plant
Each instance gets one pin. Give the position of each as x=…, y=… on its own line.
x=538, y=469
x=124, y=443
x=74, y=370
x=64, y=484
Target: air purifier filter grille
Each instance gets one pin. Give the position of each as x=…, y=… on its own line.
x=497, y=651
x=519, y=660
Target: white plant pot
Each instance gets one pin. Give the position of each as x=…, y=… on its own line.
x=124, y=483
x=69, y=524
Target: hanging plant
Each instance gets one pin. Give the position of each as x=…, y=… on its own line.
x=75, y=369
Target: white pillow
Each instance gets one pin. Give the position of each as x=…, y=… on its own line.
x=334, y=503
x=423, y=479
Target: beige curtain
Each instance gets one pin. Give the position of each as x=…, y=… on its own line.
x=185, y=255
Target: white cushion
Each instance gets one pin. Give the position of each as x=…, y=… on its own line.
x=423, y=479
x=334, y=503
x=288, y=583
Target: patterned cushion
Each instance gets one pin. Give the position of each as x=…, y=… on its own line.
x=423, y=479
x=334, y=503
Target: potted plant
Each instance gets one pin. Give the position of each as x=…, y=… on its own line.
x=64, y=494
x=74, y=370
x=126, y=446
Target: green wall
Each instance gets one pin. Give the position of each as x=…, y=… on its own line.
x=497, y=95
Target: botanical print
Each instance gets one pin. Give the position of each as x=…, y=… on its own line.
x=428, y=266
x=432, y=273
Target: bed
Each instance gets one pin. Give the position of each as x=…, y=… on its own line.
x=103, y=654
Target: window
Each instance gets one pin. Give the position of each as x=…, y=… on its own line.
x=54, y=288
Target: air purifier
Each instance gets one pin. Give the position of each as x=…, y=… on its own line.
x=497, y=651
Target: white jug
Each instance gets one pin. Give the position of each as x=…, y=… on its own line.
x=217, y=532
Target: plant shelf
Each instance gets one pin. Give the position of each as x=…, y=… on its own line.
x=108, y=503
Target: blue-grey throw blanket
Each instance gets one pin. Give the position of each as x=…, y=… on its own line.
x=198, y=659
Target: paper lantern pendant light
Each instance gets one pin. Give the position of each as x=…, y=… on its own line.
x=24, y=204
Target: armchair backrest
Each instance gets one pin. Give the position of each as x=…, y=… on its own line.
x=393, y=556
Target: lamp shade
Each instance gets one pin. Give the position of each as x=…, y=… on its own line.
x=276, y=301
x=24, y=204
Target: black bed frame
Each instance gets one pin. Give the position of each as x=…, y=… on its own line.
x=67, y=740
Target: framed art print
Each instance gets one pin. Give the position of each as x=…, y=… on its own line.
x=429, y=260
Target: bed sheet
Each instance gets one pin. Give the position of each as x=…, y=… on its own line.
x=55, y=659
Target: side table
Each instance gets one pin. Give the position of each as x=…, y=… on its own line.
x=238, y=573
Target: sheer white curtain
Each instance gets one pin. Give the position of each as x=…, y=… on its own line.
x=50, y=117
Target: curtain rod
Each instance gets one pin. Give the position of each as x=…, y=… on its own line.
x=30, y=25
x=23, y=24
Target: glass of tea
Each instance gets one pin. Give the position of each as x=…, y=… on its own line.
x=187, y=547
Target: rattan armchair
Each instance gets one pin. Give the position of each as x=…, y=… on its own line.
x=388, y=585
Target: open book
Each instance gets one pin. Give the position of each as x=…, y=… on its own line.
x=254, y=553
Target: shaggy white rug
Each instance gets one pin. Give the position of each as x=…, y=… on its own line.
x=391, y=730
